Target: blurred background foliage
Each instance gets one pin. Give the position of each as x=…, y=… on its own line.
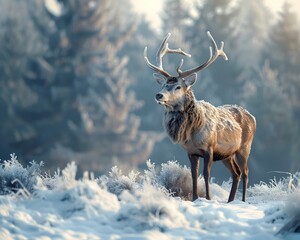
x=74, y=85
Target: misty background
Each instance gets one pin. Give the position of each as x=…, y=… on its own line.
x=74, y=85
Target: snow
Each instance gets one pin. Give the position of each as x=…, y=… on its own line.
x=139, y=206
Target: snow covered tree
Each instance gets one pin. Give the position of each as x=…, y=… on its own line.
x=284, y=40
x=59, y=75
x=251, y=32
x=114, y=136
x=284, y=52
x=175, y=15
x=175, y=18
x=84, y=106
x=277, y=128
x=143, y=80
x=218, y=17
x=18, y=41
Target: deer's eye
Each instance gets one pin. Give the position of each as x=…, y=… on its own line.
x=178, y=87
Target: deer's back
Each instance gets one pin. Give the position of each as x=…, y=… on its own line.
x=227, y=128
x=245, y=120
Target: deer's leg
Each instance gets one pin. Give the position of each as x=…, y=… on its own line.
x=194, y=159
x=208, y=160
x=242, y=162
x=236, y=175
x=245, y=182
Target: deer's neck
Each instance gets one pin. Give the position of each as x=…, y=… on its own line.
x=180, y=125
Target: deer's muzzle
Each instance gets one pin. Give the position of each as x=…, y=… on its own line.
x=158, y=97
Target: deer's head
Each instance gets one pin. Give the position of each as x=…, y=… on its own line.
x=175, y=88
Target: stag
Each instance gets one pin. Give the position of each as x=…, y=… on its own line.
x=222, y=133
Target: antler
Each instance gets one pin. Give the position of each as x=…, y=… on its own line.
x=162, y=51
x=217, y=52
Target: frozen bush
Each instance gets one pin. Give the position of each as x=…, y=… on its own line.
x=13, y=176
x=175, y=178
x=81, y=198
x=293, y=204
x=292, y=209
x=60, y=179
x=76, y=198
x=149, y=208
x=116, y=182
x=275, y=190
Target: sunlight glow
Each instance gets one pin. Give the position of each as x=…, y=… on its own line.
x=54, y=7
x=152, y=9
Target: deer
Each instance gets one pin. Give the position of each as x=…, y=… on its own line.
x=224, y=133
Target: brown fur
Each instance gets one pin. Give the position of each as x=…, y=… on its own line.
x=192, y=119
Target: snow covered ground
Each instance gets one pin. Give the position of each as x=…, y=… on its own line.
x=139, y=206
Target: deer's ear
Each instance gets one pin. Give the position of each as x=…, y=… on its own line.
x=190, y=80
x=159, y=78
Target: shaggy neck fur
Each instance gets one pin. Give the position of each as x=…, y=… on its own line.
x=181, y=124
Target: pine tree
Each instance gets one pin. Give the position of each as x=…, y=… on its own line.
x=18, y=41
x=72, y=119
x=285, y=40
x=251, y=31
x=58, y=76
x=215, y=16
x=218, y=83
x=175, y=19
x=114, y=138
x=277, y=128
x=143, y=80
x=284, y=52
x=251, y=34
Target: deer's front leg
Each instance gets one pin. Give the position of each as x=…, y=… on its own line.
x=208, y=160
x=194, y=159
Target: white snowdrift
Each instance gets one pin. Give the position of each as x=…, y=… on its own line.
x=139, y=206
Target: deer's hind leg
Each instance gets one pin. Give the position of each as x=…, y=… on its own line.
x=233, y=167
x=242, y=159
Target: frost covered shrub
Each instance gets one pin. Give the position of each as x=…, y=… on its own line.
x=60, y=179
x=149, y=208
x=13, y=176
x=293, y=203
x=292, y=206
x=292, y=209
x=116, y=182
x=275, y=189
x=76, y=197
x=84, y=198
x=173, y=177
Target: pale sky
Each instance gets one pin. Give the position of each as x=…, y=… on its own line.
x=152, y=8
